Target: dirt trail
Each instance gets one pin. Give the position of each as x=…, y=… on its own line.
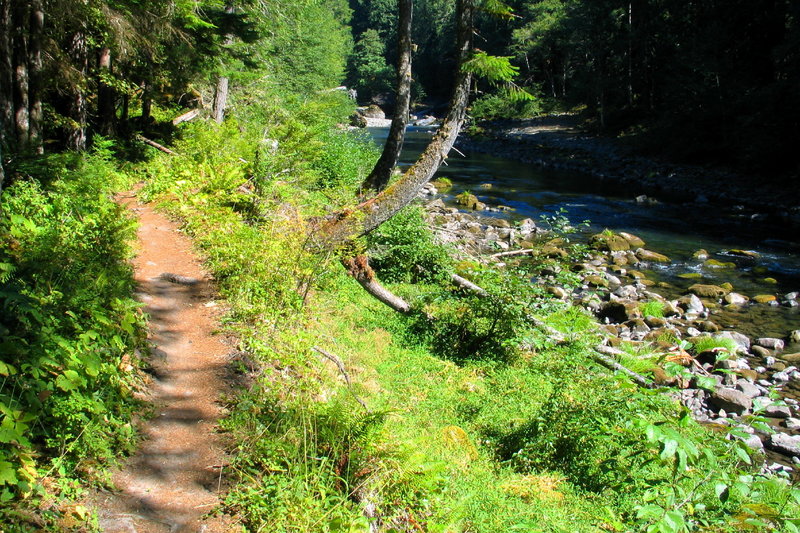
x=173, y=479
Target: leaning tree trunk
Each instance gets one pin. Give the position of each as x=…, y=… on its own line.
x=378, y=179
x=35, y=76
x=343, y=227
x=370, y=214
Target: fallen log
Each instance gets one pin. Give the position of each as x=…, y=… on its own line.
x=186, y=117
x=155, y=145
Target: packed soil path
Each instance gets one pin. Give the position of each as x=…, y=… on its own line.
x=173, y=481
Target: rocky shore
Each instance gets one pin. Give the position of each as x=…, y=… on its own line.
x=558, y=143
x=721, y=375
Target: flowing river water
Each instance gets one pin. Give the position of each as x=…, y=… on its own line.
x=674, y=229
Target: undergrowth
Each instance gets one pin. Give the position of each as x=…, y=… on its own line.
x=463, y=416
x=68, y=332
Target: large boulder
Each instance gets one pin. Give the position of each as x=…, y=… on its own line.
x=373, y=111
x=785, y=444
x=609, y=242
x=651, y=256
x=708, y=291
x=731, y=400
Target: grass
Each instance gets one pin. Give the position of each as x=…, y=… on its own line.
x=521, y=434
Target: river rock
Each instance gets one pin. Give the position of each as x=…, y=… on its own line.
x=649, y=255
x=691, y=304
x=633, y=240
x=373, y=111
x=753, y=442
x=610, y=243
x=558, y=292
x=708, y=326
x=760, y=351
x=748, y=389
x=620, y=311
x=731, y=400
x=785, y=444
x=777, y=411
x=713, y=263
x=745, y=253
x=794, y=337
x=791, y=357
x=734, y=298
x=791, y=423
x=700, y=255
x=764, y=298
x=708, y=291
x=770, y=342
x=742, y=341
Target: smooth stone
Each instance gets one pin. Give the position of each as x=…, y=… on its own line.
x=731, y=400
x=748, y=374
x=770, y=342
x=745, y=253
x=791, y=357
x=700, y=255
x=690, y=275
x=734, y=298
x=610, y=243
x=764, y=298
x=749, y=390
x=649, y=255
x=753, y=442
x=778, y=411
x=760, y=351
x=742, y=341
x=708, y=291
x=713, y=263
x=780, y=376
x=791, y=423
x=633, y=240
x=783, y=443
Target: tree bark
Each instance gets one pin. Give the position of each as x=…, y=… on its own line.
x=221, y=91
x=76, y=136
x=21, y=80
x=349, y=224
x=6, y=78
x=378, y=179
x=358, y=267
x=105, y=94
x=35, y=73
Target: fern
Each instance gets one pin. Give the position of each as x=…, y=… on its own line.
x=497, y=8
x=495, y=69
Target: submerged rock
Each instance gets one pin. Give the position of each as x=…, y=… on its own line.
x=649, y=255
x=708, y=291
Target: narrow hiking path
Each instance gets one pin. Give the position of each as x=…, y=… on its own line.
x=174, y=478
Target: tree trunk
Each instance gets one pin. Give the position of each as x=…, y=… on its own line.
x=220, y=99
x=378, y=179
x=105, y=94
x=221, y=91
x=359, y=268
x=21, y=78
x=367, y=216
x=76, y=136
x=35, y=73
x=6, y=77
x=147, y=103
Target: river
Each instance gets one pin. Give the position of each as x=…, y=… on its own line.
x=677, y=230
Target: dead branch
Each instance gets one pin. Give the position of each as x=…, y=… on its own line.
x=523, y=251
x=340, y=365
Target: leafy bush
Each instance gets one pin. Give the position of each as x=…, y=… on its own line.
x=499, y=107
x=69, y=325
x=654, y=309
x=403, y=250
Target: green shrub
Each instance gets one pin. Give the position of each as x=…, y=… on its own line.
x=403, y=250
x=69, y=325
x=653, y=308
x=499, y=107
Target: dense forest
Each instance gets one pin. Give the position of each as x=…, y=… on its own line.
x=424, y=386
x=704, y=81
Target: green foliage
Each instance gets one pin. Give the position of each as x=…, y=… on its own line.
x=708, y=343
x=498, y=106
x=403, y=250
x=69, y=324
x=653, y=308
x=369, y=73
